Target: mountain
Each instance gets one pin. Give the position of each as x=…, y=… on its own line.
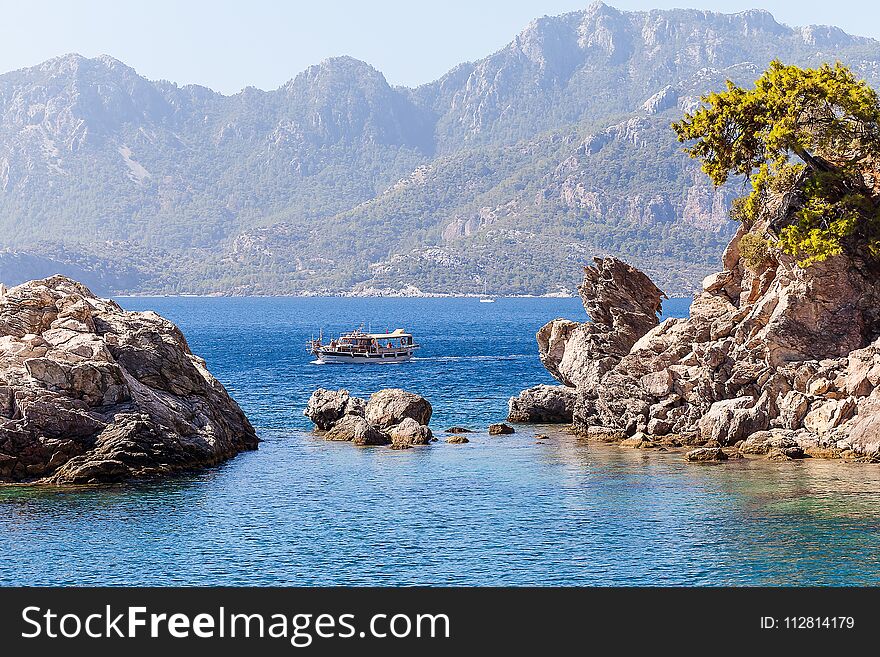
x=506, y=174
x=90, y=151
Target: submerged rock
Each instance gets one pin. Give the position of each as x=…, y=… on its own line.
x=457, y=439
x=458, y=430
x=500, y=429
x=92, y=393
x=542, y=404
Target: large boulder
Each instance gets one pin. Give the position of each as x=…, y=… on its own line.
x=391, y=406
x=355, y=429
x=92, y=393
x=326, y=407
x=731, y=420
x=706, y=454
x=542, y=404
x=409, y=433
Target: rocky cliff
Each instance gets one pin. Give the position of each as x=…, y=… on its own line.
x=775, y=357
x=92, y=393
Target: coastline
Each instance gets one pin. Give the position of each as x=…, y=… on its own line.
x=347, y=295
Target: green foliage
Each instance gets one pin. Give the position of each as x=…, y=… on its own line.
x=827, y=218
x=825, y=117
x=754, y=250
x=791, y=111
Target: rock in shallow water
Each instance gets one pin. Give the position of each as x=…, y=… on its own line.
x=391, y=417
x=542, y=404
x=393, y=405
x=326, y=407
x=92, y=393
x=500, y=429
x=706, y=454
x=409, y=433
x=355, y=429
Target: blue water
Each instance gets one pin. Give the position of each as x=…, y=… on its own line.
x=500, y=510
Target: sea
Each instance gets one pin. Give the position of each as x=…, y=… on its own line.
x=505, y=510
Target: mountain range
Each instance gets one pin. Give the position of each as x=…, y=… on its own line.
x=505, y=175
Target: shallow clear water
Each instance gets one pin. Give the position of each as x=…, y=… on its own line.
x=501, y=510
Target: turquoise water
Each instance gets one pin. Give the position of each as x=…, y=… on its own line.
x=503, y=510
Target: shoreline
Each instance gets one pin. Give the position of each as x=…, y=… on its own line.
x=343, y=295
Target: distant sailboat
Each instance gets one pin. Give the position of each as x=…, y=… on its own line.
x=486, y=298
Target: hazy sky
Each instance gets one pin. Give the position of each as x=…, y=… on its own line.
x=228, y=45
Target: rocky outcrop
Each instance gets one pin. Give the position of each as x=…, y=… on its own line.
x=542, y=404
x=393, y=405
x=327, y=407
x=391, y=417
x=92, y=393
x=781, y=359
x=622, y=304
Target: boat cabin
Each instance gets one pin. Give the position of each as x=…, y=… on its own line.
x=358, y=346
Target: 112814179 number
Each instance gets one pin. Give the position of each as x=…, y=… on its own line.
x=819, y=622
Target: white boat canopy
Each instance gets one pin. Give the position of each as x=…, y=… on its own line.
x=398, y=333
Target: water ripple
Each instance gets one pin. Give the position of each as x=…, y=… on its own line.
x=496, y=511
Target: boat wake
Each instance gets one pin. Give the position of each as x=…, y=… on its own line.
x=449, y=358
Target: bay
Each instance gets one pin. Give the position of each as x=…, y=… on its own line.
x=496, y=511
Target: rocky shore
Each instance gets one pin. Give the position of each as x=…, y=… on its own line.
x=91, y=393
x=775, y=359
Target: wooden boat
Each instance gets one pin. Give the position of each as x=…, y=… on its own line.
x=360, y=347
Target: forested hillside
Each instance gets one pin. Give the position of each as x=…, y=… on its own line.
x=505, y=174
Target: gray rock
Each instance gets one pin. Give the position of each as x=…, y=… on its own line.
x=762, y=442
x=785, y=453
x=731, y=420
x=391, y=406
x=357, y=430
x=706, y=454
x=326, y=407
x=409, y=433
x=92, y=393
x=622, y=304
x=542, y=404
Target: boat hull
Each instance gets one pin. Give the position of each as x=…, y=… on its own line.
x=337, y=358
